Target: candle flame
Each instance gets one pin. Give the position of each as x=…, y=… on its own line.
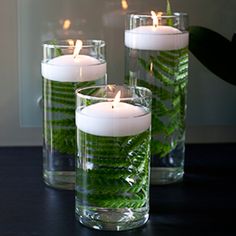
x=116, y=99
x=66, y=24
x=78, y=46
x=124, y=4
x=151, y=67
x=155, y=17
x=70, y=42
x=110, y=87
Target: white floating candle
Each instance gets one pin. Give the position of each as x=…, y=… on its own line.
x=156, y=37
x=73, y=68
x=113, y=119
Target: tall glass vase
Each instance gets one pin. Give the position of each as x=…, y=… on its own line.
x=157, y=58
x=66, y=66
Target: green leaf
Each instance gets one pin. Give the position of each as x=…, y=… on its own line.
x=63, y=140
x=57, y=84
x=61, y=110
x=145, y=64
x=58, y=51
x=59, y=103
x=118, y=174
x=162, y=149
x=62, y=101
x=169, y=13
x=61, y=123
x=169, y=69
x=214, y=51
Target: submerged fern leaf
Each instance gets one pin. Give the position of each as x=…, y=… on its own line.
x=169, y=13
x=169, y=69
x=117, y=179
x=59, y=104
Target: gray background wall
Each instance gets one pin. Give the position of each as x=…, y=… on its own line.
x=25, y=24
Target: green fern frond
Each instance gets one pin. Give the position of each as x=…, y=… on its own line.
x=170, y=70
x=54, y=94
x=63, y=140
x=60, y=103
x=119, y=170
x=61, y=110
x=169, y=13
x=62, y=123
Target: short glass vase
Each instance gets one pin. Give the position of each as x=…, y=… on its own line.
x=113, y=158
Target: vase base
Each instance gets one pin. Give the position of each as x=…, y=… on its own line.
x=60, y=179
x=111, y=219
x=166, y=175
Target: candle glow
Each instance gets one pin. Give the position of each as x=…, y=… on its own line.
x=66, y=24
x=155, y=17
x=78, y=46
x=70, y=42
x=124, y=4
x=116, y=100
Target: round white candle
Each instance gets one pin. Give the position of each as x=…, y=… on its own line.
x=66, y=69
x=121, y=120
x=156, y=38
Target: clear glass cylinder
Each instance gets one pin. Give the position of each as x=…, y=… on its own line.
x=64, y=71
x=113, y=159
x=157, y=58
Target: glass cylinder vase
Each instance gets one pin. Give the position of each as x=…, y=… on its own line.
x=66, y=66
x=157, y=58
x=113, y=159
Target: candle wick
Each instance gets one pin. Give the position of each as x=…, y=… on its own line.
x=76, y=58
x=112, y=106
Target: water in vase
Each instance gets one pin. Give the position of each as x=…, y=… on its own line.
x=59, y=132
x=112, y=180
x=165, y=73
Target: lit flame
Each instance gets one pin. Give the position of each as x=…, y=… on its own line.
x=124, y=4
x=66, y=24
x=155, y=17
x=70, y=42
x=151, y=67
x=78, y=46
x=110, y=87
x=116, y=100
x=159, y=14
